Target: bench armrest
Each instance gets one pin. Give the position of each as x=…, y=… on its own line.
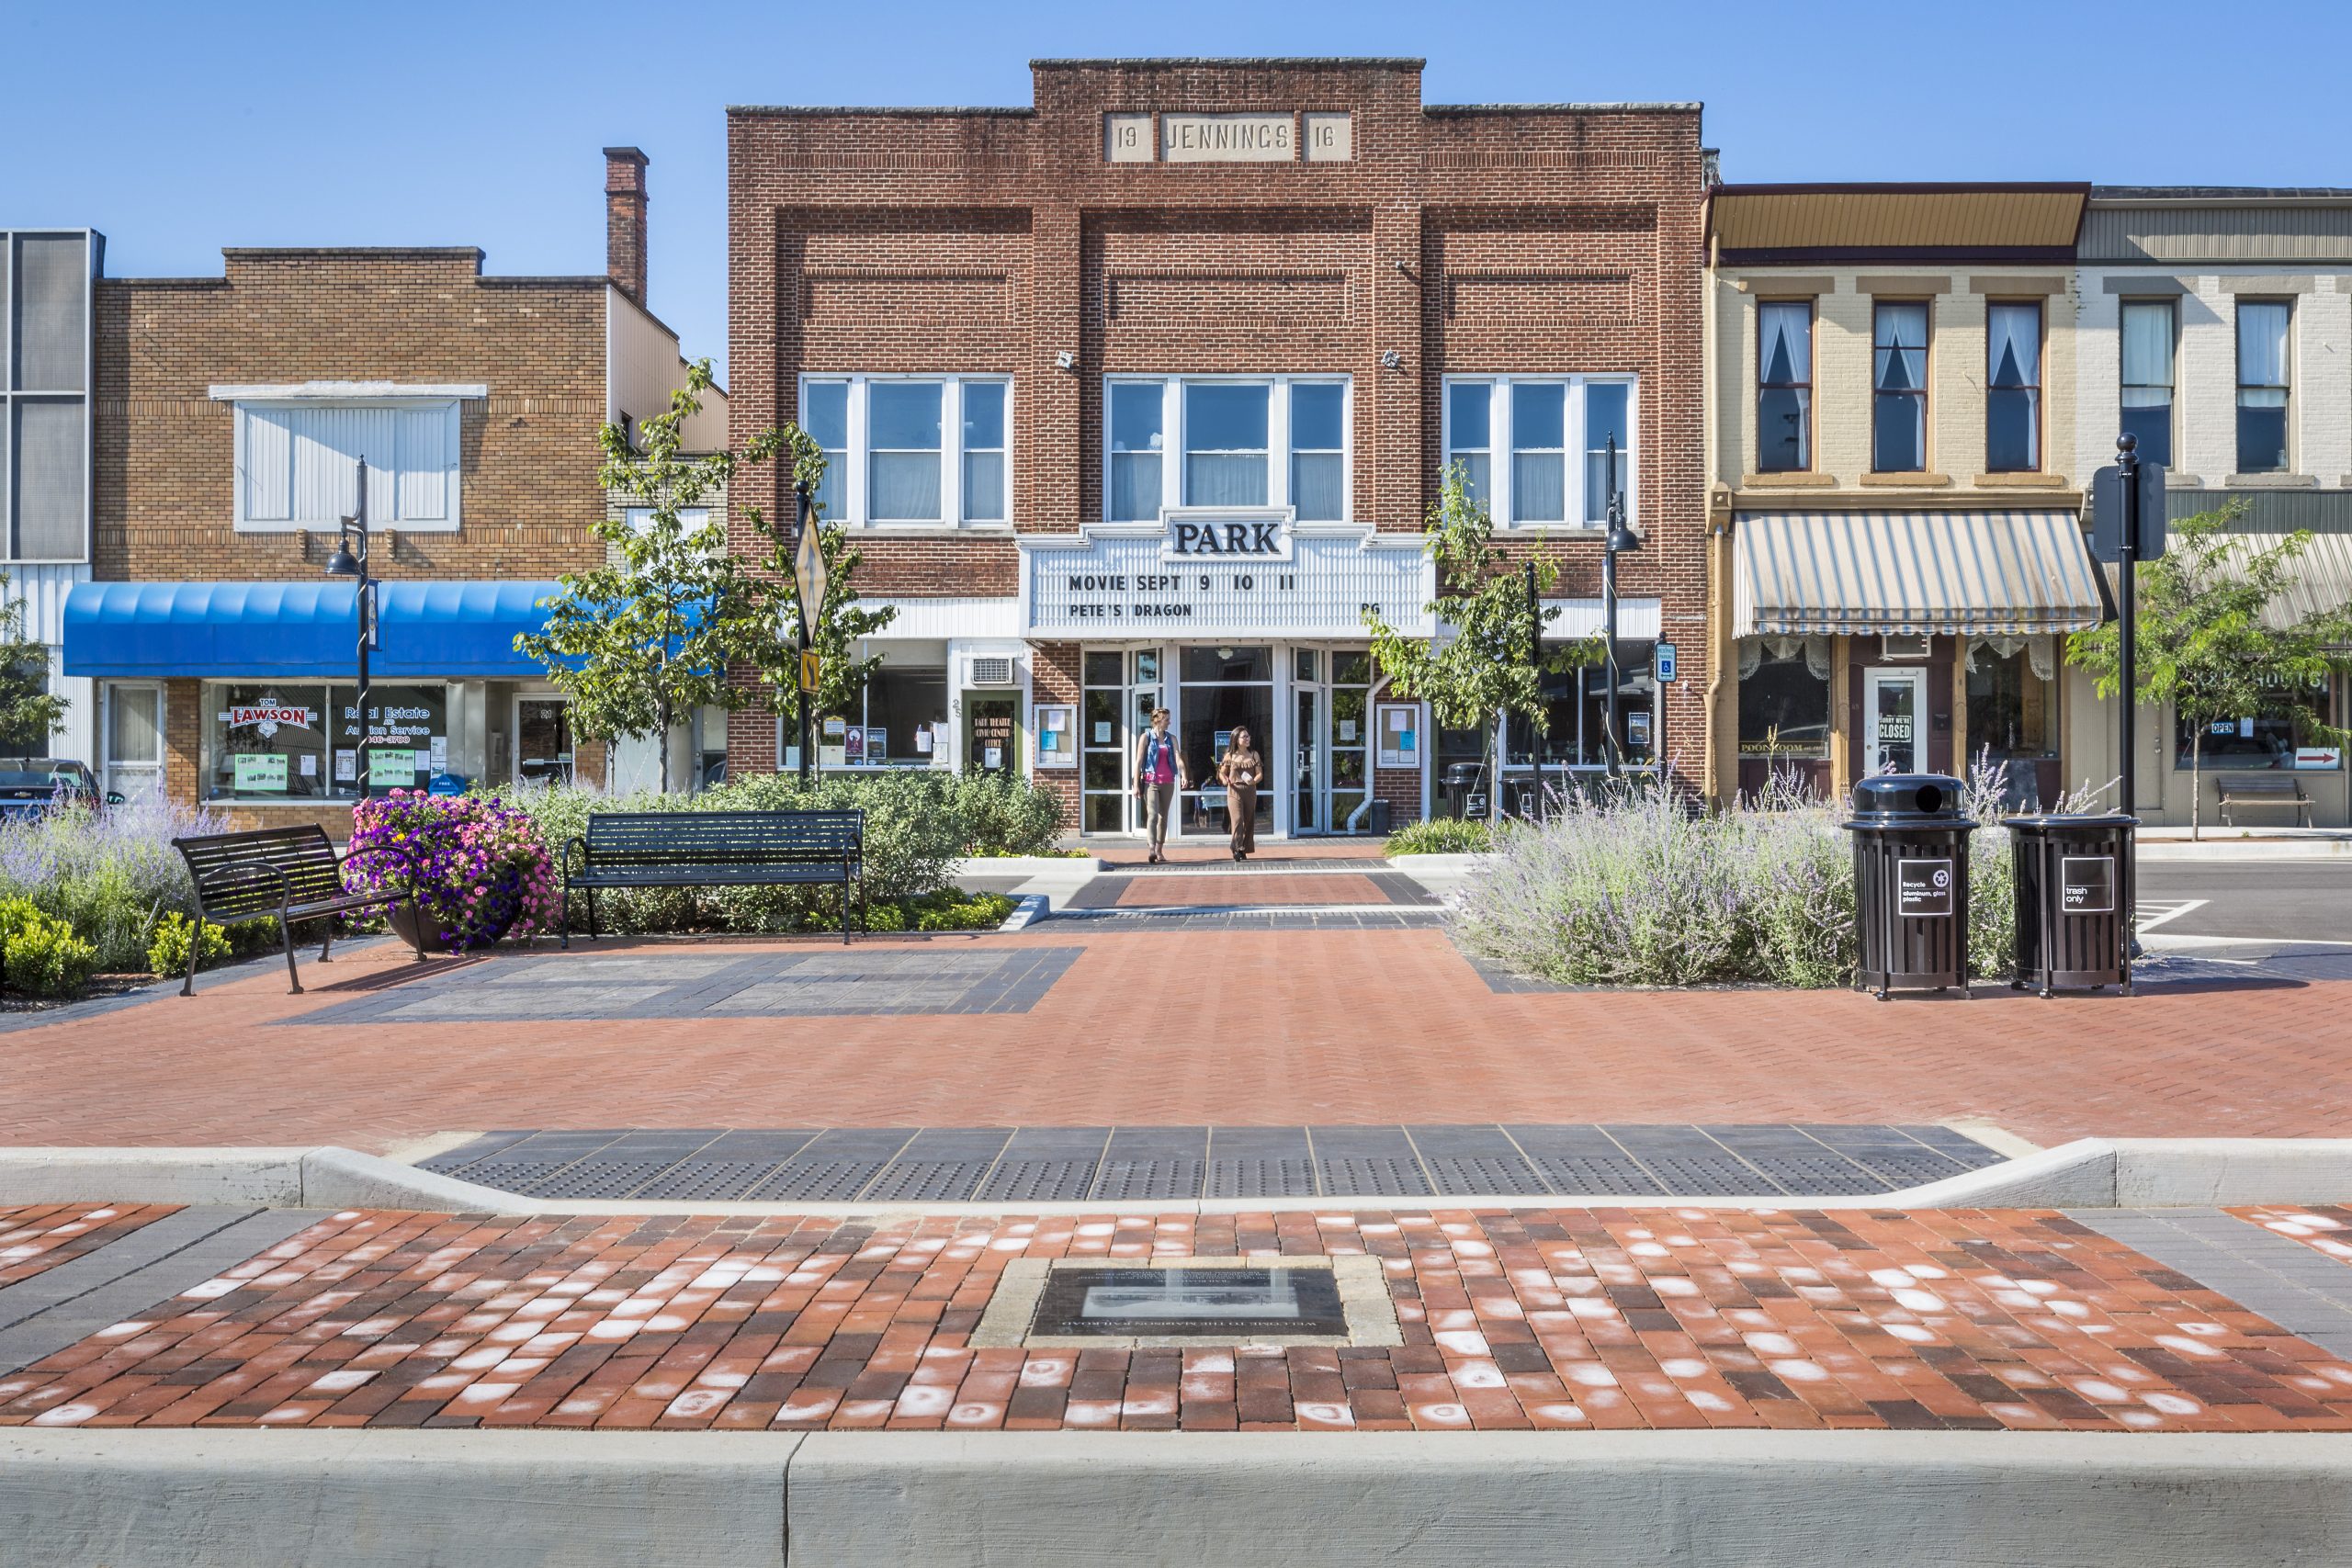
x=575, y=841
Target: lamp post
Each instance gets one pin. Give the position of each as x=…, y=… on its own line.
x=1534, y=662
x=345, y=562
x=1619, y=541
x=809, y=581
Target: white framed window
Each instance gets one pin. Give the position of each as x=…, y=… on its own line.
x=911, y=450
x=297, y=459
x=1237, y=440
x=1535, y=448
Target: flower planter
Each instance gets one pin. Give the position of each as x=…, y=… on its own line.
x=479, y=867
x=487, y=933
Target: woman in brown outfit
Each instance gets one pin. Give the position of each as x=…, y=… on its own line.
x=1241, y=771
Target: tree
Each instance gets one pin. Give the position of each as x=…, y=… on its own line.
x=1493, y=663
x=30, y=714
x=2213, y=640
x=841, y=675
x=651, y=634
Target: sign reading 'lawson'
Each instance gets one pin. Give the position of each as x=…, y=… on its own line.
x=1224, y=572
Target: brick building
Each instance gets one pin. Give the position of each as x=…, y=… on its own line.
x=1138, y=395
x=231, y=417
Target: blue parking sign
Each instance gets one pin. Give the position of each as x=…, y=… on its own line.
x=1665, y=662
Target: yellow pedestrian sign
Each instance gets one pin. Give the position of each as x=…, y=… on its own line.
x=809, y=667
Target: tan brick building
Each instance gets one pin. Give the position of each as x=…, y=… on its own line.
x=230, y=416
x=1136, y=397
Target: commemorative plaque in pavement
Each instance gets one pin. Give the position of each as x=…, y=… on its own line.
x=1217, y=1303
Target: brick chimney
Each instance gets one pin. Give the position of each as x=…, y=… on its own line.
x=625, y=220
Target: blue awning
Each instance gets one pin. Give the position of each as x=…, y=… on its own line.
x=270, y=630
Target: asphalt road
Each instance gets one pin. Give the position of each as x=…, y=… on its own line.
x=2274, y=900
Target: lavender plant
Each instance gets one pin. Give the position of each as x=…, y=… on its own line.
x=110, y=873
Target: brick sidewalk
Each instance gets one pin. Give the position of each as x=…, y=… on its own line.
x=1533, y=1318
x=39, y=1236
x=2325, y=1228
x=1230, y=1027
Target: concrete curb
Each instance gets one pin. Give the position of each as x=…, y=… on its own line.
x=2089, y=1173
x=1756, y=1499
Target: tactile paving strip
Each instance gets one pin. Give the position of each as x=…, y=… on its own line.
x=1126, y=1180
x=926, y=1181
x=1261, y=1179
x=1039, y=1181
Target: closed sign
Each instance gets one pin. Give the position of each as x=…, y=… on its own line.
x=1925, y=886
x=2087, y=883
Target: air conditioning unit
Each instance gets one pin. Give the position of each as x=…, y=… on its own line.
x=1909, y=650
x=992, y=669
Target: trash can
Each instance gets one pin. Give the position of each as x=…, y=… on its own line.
x=1377, y=816
x=1911, y=882
x=2074, y=885
x=1465, y=793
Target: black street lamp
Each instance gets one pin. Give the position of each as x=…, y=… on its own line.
x=1619, y=541
x=345, y=562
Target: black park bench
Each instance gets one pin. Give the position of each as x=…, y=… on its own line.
x=292, y=874
x=715, y=849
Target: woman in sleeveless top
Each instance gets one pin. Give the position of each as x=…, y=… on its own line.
x=1159, y=774
x=1241, y=771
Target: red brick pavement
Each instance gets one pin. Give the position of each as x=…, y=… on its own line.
x=2323, y=1227
x=1181, y=892
x=1250, y=1027
x=1212, y=850
x=1537, y=1318
x=38, y=1236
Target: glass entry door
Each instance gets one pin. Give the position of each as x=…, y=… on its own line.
x=1221, y=690
x=1122, y=690
x=1893, y=702
x=1330, y=738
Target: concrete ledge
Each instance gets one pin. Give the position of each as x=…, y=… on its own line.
x=330, y=1498
x=376, y=1500
x=2089, y=1173
x=1749, y=1499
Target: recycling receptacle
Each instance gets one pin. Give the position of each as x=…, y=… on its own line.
x=1377, y=816
x=1465, y=793
x=2074, y=887
x=1911, y=882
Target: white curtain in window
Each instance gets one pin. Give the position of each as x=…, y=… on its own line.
x=906, y=486
x=1784, y=331
x=2013, y=350
x=2262, y=346
x=1753, y=650
x=1134, y=487
x=1225, y=478
x=2040, y=652
x=1319, y=488
x=2147, y=354
x=1901, y=332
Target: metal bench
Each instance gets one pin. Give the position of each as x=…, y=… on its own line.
x=2262, y=789
x=292, y=874
x=715, y=849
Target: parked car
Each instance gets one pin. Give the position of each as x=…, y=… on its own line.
x=30, y=784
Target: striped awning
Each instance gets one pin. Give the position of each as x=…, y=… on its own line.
x=1914, y=573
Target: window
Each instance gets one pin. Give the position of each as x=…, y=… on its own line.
x=692, y=520
x=2149, y=329
x=264, y=741
x=1225, y=445
x=2262, y=386
x=1136, y=440
x=1576, y=715
x=2013, y=388
x=1272, y=441
x=298, y=462
x=1899, y=382
x=1784, y=386
x=2013, y=700
x=1784, y=697
x=1319, y=455
x=134, y=758
x=984, y=451
x=1469, y=434
x=824, y=415
x=1549, y=420
x=912, y=449
x=2290, y=737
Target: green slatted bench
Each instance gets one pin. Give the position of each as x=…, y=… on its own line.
x=715, y=849
x=289, y=873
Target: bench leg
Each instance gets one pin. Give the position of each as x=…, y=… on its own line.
x=327, y=944
x=286, y=940
x=194, y=951
x=593, y=932
x=416, y=918
x=563, y=919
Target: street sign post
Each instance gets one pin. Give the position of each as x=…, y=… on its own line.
x=809, y=581
x=1665, y=665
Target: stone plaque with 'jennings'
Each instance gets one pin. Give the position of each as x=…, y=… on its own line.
x=1211, y=1303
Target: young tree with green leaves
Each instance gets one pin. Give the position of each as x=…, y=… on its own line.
x=2213, y=640
x=651, y=634
x=1494, y=661
x=31, y=715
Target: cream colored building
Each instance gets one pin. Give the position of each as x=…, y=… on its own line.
x=1896, y=484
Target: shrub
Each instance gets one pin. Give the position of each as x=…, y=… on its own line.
x=167, y=954
x=40, y=954
x=1005, y=814
x=952, y=912
x=108, y=872
x=477, y=864
x=1441, y=836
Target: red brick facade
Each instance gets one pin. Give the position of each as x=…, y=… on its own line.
x=1457, y=240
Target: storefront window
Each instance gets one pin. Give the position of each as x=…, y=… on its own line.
x=274, y=741
x=906, y=714
x=408, y=735
x=1576, y=715
x=1784, y=697
x=2012, y=701
x=2285, y=739
x=542, y=752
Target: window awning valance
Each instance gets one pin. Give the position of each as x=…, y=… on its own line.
x=274, y=630
x=1913, y=574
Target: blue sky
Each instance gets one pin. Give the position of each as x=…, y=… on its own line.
x=179, y=128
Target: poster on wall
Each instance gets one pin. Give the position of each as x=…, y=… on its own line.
x=1638, y=730
x=262, y=771
x=832, y=743
x=392, y=765
x=852, y=743
x=1057, y=735
x=1400, y=741
x=877, y=743
x=922, y=740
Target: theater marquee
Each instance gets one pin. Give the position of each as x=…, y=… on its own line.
x=1223, y=573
